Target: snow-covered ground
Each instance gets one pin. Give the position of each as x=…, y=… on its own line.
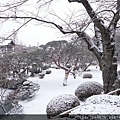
x=51, y=86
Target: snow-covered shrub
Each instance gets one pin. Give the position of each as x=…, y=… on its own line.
x=17, y=109
x=6, y=106
x=88, y=89
x=87, y=75
x=45, y=67
x=100, y=104
x=48, y=71
x=60, y=104
x=28, y=90
x=14, y=113
x=12, y=84
x=8, y=103
x=68, y=66
x=41, y=75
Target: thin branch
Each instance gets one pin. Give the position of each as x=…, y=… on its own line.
x=14, y=5
x=113, y=92
x=106, y=11
x=34, y=18
x=18, y=29
x=66, y=112
x=45, y=3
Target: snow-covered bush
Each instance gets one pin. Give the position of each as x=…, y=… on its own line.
x=17, y=109
x=14, y=113
x=87, y=75
x=28, y=90
x=8, y=103
x=48, y=71
x=5, y=107
x=88, y=89
x=60, y=104
x=100, y=104
x=12, y=84
x=41, y=75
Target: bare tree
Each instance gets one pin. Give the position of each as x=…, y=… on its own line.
x=64, y=58
x=105, y=20
x=105, y=35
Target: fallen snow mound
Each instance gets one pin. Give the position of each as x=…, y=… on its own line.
x=60, y=104
x=88, y=89
x=100, y=104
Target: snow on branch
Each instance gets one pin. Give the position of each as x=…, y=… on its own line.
x=79, y=1
x=66, y=112
x=91, y=45
x=98, y=37
x=114, y=92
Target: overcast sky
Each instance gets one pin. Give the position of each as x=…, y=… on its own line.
x=36, y=34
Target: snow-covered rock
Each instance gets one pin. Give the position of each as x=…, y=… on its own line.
x=88, y=89
x=100, y=104
x=60, y=104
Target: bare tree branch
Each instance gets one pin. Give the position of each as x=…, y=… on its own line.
x=96, y=20
x=13, y=5
x=113, y=92
x=18, y=29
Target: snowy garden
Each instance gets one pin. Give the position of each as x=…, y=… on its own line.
x=47, y=96
x=76, y=72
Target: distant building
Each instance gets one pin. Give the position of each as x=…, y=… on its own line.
x=7, y=46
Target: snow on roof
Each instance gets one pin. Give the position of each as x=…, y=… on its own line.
x=5, y=42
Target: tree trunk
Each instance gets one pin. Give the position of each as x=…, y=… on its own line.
x=109, y=74
x=109, y=64
x=66, y=77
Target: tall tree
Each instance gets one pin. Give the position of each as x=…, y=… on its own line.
x=105, y=36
